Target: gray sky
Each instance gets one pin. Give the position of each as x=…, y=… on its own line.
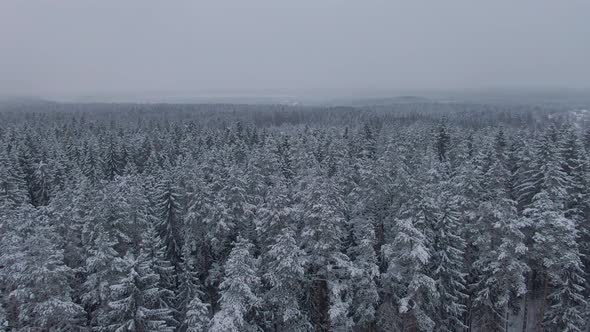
x=72, y=47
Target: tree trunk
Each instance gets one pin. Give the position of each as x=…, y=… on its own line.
x=525, y=312
x=320, y=305
x=545, y=290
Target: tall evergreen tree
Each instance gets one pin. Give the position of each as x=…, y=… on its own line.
x=322, y=235
x=188, y=290
x=197, y=315
x=136, y=303
x=168, y=211
x=36, y=283
x=408, y=256
x=443, y=141
x=555, y=248
x=500, y=262
x=42, y=184
x=90, y=164
x=448, y=245
x=285, y=275
x=112, y=163
x=239, y=291
x=13, y=190
x=101, y=267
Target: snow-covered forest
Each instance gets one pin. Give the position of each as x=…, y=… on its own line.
x=410, y=217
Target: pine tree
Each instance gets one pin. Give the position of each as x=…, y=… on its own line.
x=3, y=319
x=408, y=256
x=112, y=163
x=90, y=164
x=361, y=241
x=198, y=225
x=285, y=275
x=152, y=164
x=27, y=157
x=188, y=287
x=101, y=269
x=168, y=210
x=364, y=273
x=136, y=304
x=446, y=263
x=328, y=267
x=576, y=165
x=35, y=278
x=274, y=214
x=284, y=150
x=111, y=211
x=42, y=184
x=138, y=206
x=235, y=215
x=197, y=315
x=68, y=211
x=556, y=247
x=13, y=191
x=239, y=291
x=154, y=252
x=443, y=140
x=60, y=166
x=500, y=262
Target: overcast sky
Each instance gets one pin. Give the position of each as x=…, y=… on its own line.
x=74, y=47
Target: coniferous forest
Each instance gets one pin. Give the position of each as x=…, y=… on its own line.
x=408, y=217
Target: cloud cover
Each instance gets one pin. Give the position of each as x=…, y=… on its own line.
x=78, y=47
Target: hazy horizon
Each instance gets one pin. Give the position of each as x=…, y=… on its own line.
x=321, y=48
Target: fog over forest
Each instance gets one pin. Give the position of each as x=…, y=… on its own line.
x=118, y=50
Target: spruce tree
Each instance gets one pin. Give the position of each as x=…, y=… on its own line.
x=448, y=248
x=42, y=184
x=188, y=289
x=555, y=246
x=112, y=163
x=408, y=257
x=168, y=211
x=500, y=260
x=36, y=283
x=101, y=269
x=13, y=191
x=197, y=315
x=239, y=291
x=136, y=299
x=154, y=252
x=320, y=208
x=3, y=319
x=285, y=272
x=555, y=235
